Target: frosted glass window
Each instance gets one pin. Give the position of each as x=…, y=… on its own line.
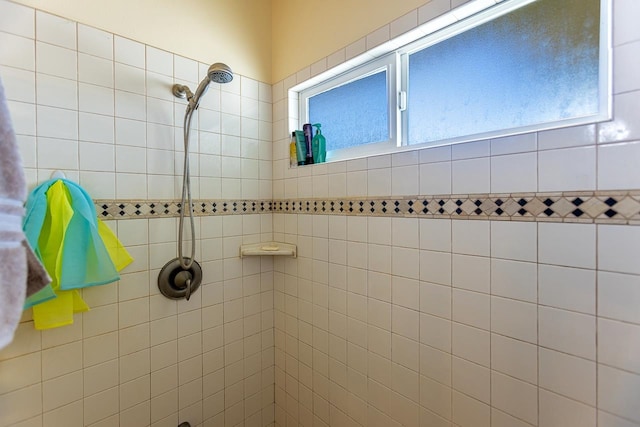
x=535, y=65
x=483, y=70
x=354, y=113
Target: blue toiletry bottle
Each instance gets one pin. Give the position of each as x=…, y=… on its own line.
x=307, y=129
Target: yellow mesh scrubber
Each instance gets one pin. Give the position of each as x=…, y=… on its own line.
x=77, y=249
x=58, y=311
x=118, y=254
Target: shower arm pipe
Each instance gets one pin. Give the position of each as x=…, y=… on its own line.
x=183, y=91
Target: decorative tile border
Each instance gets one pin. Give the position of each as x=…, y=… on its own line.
x=130, y=209
x=612, y=207
x=601, y=207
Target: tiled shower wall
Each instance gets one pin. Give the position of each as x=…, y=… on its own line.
x=389, y=320
x=99, y=108
x=381, y=321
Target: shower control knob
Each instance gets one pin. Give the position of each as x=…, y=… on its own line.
x=182, y=279
x=175, y=282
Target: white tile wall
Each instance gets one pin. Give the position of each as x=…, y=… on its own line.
x=535, y=337
x=81, y=98
x=513, y=173
x=508, y=311
x=379, y=321
x=615, y=165
x=567, y=288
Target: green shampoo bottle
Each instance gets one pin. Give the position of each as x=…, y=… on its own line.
x=301, y=147
x=319, y=145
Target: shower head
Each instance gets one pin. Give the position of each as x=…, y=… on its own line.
x=220, y=73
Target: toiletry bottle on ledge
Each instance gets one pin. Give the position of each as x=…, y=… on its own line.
x=308, y=137
x=293, y=159
x=319, y=146
x=301, y=148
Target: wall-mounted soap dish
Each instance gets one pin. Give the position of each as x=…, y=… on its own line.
x=269, y=248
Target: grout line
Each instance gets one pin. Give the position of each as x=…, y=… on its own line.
x=597, y=363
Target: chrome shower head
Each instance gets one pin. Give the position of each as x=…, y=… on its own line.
x=220, y=73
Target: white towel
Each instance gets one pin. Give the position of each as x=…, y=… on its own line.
x=18, y=264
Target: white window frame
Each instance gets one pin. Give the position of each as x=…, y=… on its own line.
x=388, y=63
x=394, y=56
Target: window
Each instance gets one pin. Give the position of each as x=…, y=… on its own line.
x=354, y=109
x=514, y=67
x=534, y=66
x=357, y=110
